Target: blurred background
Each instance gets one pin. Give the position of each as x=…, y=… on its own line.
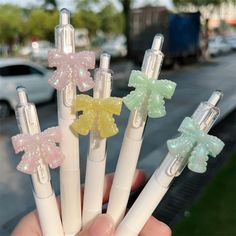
x=199, y=48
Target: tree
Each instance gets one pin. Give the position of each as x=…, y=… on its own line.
x=11, y=24
x=127, y=12
x=41, y=24
x=126, y=4
x=87, y=4
x=50, y=4
x=86, y=19
x=111, y=20
x=198, y=2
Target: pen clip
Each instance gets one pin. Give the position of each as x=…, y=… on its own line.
x=177, y=166
x=69, y=94
x=42, y=172
x=95, y=139
x=139, y=116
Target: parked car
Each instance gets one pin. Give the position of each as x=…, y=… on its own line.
x=19, y=72
x=40, y=51
x=82, y=38
x=26, y=50
x=37, y=50
x=231, y=40
x=218, y=45
x=116, y=47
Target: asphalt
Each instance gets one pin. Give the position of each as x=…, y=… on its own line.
x=195, y=83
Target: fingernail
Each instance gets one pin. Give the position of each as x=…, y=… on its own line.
x=102, y=226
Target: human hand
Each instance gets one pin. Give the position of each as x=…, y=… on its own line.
x=102, y=225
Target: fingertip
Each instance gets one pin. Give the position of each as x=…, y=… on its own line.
x=103, y=225
x=28, y=225
x=164, y=229
x=155, y=227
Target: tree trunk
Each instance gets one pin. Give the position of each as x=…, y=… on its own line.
x=127, y=11
x=206, y=55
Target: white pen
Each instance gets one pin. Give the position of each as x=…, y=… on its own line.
x=96, y=162
x=133, y=138
x=48, y=212
x=70, y=169
x=171, y=167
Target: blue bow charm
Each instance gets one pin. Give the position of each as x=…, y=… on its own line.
x=196, y=142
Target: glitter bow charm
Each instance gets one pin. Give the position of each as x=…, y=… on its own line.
x=151, y=91
x=196, y=143
x=97, y=115
x=38, y=147
x=71, y=67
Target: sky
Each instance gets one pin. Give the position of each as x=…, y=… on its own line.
x=70, y=4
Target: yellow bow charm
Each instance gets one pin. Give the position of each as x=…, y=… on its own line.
x=97, y=115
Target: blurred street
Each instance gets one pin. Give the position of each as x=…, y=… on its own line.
x=195, y=83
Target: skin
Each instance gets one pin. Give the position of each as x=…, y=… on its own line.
x=102, y=225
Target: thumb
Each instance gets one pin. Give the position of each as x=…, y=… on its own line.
x=102, y=226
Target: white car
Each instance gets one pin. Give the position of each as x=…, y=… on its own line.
x=218, y=45
x=37, y=51
x=19, y=72
x=231, y=40
x=115, y=47
x=40, y=51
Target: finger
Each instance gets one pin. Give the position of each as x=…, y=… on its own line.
x=28, y=226
x=101, y=226
x=155, y=227
x=138, y=181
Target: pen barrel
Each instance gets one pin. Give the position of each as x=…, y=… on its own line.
x=94, y=188
x=123, y=178
x=41, y=189
x=50, y=218
x=69, y=146
x=96, y=162
x=142, y=209
x=70, y=179
x=65, y=99
x=70, y=201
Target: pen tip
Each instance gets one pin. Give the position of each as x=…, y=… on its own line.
x=64, y=16
x=215, y=97
x=105, y=61
x=22, y=94
x=158, y=42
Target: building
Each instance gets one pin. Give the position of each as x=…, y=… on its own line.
x=226, y=12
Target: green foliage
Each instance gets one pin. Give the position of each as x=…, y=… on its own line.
x=86, y=4
x=41, y=24
x=111, y=20
x=50, y=4
x=86, y=19
x=215, y=212
x=11, y=24
x=20, y=25
x=198, y=3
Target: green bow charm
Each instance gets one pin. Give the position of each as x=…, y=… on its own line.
x=196, y=142
x=153, y=90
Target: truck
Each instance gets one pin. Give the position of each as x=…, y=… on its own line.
x=180, y=30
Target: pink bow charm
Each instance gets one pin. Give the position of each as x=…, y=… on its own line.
x=71, y=67
x=37, y=147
